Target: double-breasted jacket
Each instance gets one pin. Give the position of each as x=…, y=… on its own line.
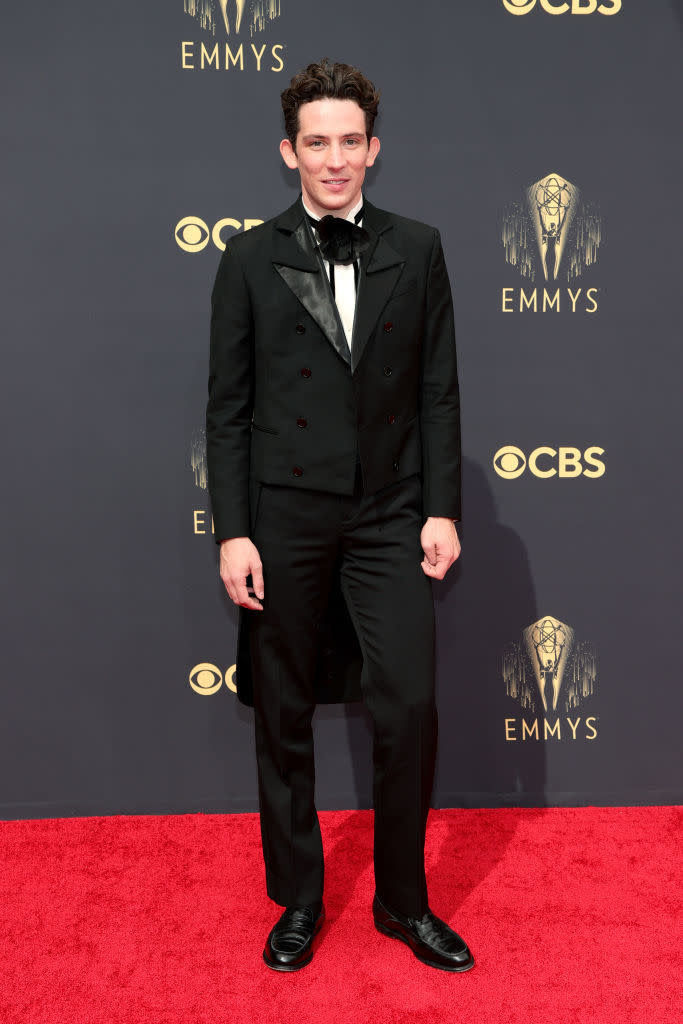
x=291, y=404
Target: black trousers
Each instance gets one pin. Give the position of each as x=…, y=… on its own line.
x=373, y=542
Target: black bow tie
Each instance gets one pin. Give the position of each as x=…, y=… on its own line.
x=340, y=240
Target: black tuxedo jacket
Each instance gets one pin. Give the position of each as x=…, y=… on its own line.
x=290, y=404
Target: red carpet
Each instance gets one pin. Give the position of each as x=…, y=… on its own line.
x=571, y=915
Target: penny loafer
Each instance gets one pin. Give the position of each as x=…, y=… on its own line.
x=289, y=947
x=430, y=938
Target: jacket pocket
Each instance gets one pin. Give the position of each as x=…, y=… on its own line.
x=266, y=430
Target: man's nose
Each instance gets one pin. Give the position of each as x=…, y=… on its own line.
x=336, y=158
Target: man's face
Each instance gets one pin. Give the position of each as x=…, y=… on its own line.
x=332, y=153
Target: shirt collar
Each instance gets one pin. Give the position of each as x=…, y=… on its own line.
x=350, y=215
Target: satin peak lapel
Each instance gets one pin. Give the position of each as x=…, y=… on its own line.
x=296, y=261
x=380, y=270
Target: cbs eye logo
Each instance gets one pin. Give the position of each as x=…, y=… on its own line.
x=510, y=462
x=206, y=678
x=562, y=7
x=192, y=233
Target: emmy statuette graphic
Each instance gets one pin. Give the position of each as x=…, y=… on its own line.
x=549, y=643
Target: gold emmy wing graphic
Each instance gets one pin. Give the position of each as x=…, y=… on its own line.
x=232, y=14
x=198, y=458
x=547, y=661
x=551, y=228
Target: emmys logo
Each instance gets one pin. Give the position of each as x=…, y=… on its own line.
x=551, y=235
x=544, y=462
x=563, y=6
x=235, y=18
x=192, y=233
x=550, y=671
x=207, y=679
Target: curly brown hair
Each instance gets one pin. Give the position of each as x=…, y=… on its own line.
x=328, y=80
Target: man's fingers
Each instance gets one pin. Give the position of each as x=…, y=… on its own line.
x=438, y=569
x=243, y=599
x=430, y=553
x=437, y=572
x=239, y=559
x=257, y=579
x=229, y=586
x=238, y=592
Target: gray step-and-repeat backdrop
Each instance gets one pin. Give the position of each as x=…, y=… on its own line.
x=540, y=137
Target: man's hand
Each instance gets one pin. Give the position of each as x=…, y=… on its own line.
x=239, y=558
x=441, y=546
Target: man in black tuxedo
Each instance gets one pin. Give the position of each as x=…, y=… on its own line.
x=333, y=448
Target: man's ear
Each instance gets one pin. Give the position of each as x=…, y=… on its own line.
x=373, y=150
x=288, y=154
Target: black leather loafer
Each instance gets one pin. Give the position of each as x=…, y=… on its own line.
x=430, y=938
x=289, y=947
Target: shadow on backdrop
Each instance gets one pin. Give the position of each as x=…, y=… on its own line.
x=481, y=607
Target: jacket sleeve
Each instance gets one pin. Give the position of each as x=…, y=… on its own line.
x=439, y=396
x=229, y=409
